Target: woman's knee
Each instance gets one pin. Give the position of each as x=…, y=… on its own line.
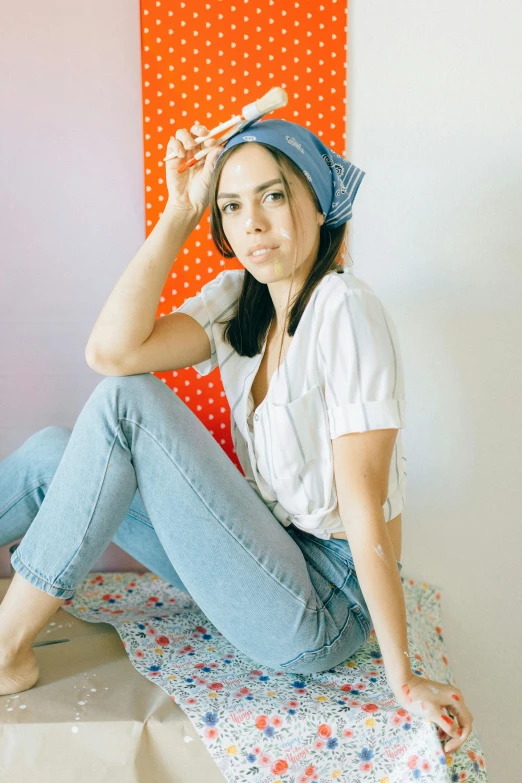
x=46, y=447
x=49, y=436
x=114, y=384
x=115, y=391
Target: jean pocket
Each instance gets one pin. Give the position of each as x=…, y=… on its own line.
x=349, y=639
x=339, y=547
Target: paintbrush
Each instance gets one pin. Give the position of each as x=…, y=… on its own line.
x=274, y=99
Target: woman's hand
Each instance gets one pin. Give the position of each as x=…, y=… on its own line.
x=434, y=700
x=188, y=191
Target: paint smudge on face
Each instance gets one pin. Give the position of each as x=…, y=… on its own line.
x=278, y=267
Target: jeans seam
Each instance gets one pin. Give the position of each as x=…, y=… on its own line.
x=139, y=518
x=94, y=508
x=26, y=491
x=335, y=554
x=296, y=597
x=16, y=556
x=336, y=590
x=326, y=648
x=363, y=622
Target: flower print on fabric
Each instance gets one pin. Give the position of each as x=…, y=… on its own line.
x=274, y=727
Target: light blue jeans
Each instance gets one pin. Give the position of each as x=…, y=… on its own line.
x=140, y=469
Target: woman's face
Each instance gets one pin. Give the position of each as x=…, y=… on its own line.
x=254, y=211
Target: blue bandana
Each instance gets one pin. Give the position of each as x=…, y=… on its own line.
x=334, y=179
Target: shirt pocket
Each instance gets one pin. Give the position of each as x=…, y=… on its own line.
x=298, y=433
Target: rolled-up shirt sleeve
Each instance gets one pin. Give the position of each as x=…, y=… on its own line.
x=362, y=368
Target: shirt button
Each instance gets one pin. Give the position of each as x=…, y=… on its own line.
x=256, y=417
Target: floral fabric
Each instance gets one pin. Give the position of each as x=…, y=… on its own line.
x=269, y=726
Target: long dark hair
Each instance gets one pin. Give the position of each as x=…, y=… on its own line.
x=247, y=328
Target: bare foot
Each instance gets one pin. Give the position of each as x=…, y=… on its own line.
x=18, y=674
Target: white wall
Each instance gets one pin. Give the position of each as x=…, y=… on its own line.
x=72, y=211
x=435, y=98
x=435, y=119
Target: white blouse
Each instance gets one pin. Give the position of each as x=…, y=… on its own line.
x=342, y=373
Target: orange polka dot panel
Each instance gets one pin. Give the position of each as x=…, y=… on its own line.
x=205, y=61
